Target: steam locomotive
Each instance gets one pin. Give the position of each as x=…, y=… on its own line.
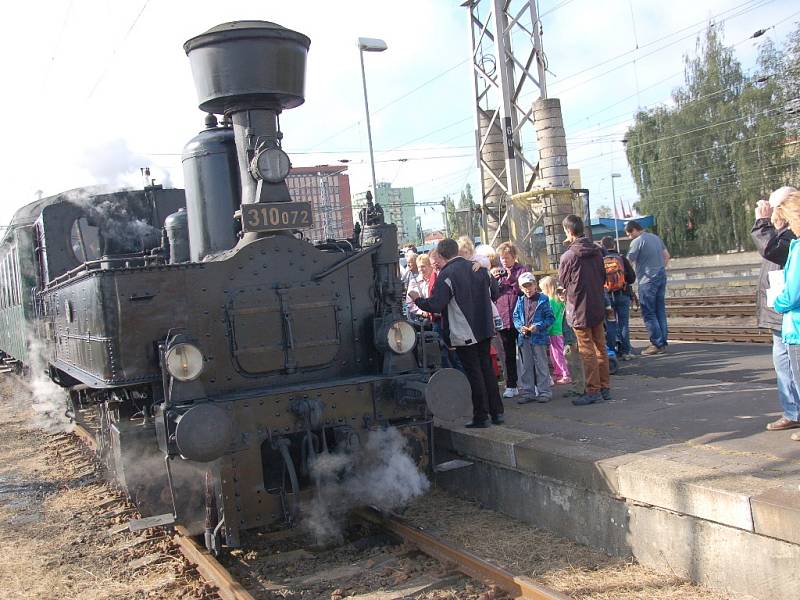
x=212, y=349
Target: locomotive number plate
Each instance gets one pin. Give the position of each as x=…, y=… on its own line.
x=276, y=215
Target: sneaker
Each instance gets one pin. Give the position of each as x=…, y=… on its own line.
x=663, y=349
x=605, y=393
x=498, y=420
x=651, y=350
x=626, y=357
x=510, y=392
x=564, y=381
x=474, y=424
x=543, y=399
x=587, y=399
x=526, y=399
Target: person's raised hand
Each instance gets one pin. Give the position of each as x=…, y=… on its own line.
x=763, y=210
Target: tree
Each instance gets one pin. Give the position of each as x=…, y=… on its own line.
x=450, y=216
x=603, y=212
x=701, y=164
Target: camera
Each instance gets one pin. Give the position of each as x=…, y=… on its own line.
x=503, y=272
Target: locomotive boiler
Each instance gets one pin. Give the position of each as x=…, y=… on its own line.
x=214, y=350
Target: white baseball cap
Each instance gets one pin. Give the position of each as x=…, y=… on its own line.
x=526, y=278
x=777, y=197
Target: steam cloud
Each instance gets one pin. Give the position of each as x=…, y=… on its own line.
x=381, y=474
x=48, y=400
x=119, y=225
x=116, y=165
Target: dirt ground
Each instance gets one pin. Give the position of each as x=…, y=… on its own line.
x=65, y=537
x=575, y=570
x=60, y=522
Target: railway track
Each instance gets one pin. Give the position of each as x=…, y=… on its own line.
x=751, y=335
x=722, y=310
x=726, y=299
x=229, y=588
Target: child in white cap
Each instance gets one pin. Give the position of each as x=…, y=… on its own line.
x=532, y=318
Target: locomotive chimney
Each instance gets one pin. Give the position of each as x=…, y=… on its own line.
x=250, y=71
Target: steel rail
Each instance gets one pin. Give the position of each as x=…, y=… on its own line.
x=709, y=334
x=469, y=564
x=725, y=310
x=713, y=300
x=209, y=567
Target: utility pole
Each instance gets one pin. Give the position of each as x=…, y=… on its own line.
x=506, y=80
x=520, y=139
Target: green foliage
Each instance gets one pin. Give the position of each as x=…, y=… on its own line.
x=701, y=164
x=603, y=212
x=458, y=218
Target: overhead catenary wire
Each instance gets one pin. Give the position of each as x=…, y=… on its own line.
x=119, y=46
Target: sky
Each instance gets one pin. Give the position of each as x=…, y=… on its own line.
x=96, y=89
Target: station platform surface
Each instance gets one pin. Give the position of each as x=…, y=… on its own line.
x=679, y=461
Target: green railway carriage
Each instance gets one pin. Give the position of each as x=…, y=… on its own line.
x=18, y=280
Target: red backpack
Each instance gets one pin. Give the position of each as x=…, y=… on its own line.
x=615, y=273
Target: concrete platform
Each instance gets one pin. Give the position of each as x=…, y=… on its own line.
x=677, y=471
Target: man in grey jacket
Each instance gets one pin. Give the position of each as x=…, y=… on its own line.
x=772, y=241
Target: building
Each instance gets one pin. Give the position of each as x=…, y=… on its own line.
x=398, y=208
x=327, y=188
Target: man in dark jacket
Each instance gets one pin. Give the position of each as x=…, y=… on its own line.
x=583, y=275
x=773, y=246
x=621, y=299
x=462, y=295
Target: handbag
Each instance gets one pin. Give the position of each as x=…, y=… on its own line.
x=498, y=320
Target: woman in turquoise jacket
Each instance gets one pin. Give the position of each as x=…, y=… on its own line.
x=788, y=301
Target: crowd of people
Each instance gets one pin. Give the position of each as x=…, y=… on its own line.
x=560, y=331
x=548, y=331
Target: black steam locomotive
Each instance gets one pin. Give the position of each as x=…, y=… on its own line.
x=211, y=348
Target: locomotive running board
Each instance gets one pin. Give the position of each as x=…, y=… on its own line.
x=149, y=522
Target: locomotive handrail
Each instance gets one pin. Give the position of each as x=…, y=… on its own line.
x=346, y=261
x=85, y=267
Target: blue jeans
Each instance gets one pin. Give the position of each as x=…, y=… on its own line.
x=621, y=303
x=654, y=311
x=786, y=359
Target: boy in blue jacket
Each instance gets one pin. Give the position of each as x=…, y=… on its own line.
x=532, y=318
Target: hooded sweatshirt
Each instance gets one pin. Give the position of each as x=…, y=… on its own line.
x=582, y=274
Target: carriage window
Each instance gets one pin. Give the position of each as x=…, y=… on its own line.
x=4, y=271
x=15, y=282
x=85, y=240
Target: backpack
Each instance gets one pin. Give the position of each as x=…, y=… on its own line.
x=615, y=273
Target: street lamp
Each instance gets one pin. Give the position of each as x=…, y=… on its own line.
x=369, y=45
x=614, y=200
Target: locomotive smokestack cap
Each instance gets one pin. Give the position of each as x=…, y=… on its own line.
x=248, y=64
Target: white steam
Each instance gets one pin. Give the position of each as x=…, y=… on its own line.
x=114, y=164
x=121, y=227
x=48, y=400
x=380, y=474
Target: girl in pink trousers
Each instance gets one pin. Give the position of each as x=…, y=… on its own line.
x=556, y=331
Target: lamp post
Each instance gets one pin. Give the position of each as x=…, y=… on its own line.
x=369, y=45
x=614, y=200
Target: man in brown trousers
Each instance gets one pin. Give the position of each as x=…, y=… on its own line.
x=582, y=274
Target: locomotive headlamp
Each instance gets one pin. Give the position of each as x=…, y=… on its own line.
x=271, y=164
x=184, y=361
x=401, y=337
